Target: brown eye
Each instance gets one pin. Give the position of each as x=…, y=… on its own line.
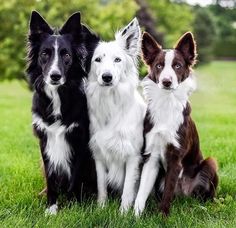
x=44, y=56
x=66, y=57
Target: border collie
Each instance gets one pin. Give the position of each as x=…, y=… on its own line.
x=57, y=64
x=116, y=113
x=172, y=142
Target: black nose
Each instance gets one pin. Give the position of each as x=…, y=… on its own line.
x=166, y=83
x=55, y=77
x=107, y=77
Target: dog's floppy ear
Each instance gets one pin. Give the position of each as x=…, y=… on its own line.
x=129, y=38
x=187, y=46
x=38, y=24
x=150, y=48
x=72, y=25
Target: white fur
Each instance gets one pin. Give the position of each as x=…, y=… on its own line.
x=168, y=71
x=52, y=210
x=54, y=68
x=52, y=93
x=166, y=108
x=116, y=114
x=57, y=149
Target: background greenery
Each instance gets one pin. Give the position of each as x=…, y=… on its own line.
x=214, y=26
x=214, y=109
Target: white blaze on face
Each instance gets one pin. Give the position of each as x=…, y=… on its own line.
x=168, y=72
x=54, y=69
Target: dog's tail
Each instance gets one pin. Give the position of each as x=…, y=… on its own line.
x=206, y=180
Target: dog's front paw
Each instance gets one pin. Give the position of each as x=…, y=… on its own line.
x=138, y=207
x=52, y=210
x=124, y=208
x=101, y=202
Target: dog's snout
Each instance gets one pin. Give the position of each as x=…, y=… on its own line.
x=107, y=77
x=166, y=82
x=55, y=77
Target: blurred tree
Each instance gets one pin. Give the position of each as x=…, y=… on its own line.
x=174, y=19
x=146, y=20
x=102, y=16
x=205, y=33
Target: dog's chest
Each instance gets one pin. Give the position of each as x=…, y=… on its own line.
x=166, y=115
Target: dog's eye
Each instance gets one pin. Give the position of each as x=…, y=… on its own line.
x=177, y=66
x=117, y=60
x=44, y=56
x=159, y=66
x=98, y=59
x=66, y=57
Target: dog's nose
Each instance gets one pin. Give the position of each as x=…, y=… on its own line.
x=107, y=77
x=166, y=83
x=55, y=77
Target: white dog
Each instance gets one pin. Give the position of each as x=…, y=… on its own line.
x=116, y=113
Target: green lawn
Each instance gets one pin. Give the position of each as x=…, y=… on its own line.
x=214, y=111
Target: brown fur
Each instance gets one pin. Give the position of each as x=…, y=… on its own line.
x=199, y=178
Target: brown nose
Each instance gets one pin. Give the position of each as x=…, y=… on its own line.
x=166, y=83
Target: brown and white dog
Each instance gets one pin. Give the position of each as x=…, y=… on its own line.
x=172, y=142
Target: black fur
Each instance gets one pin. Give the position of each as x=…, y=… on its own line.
x=81, y=42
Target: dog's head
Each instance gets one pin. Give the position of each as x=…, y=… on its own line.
x=168, y=68
x=113, y=61
x=52, y=53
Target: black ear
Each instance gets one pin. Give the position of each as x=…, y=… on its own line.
x=187, y=46
x=38, y=25
x=72, y=25
x=150, y=48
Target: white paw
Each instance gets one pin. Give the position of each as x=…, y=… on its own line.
x=138, y=207
x=126, y=203
x=101, y=202
x=52, y=210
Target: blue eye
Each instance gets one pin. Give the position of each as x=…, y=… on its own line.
x=177, y=66
x=159, y=66
x=98, y=59
x=117, y=60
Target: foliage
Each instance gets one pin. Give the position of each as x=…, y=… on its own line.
x=103, y=17
x=21, y=180
x=205, y=32
x=172, y=19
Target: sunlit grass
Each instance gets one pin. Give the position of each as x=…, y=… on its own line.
x=214, y=111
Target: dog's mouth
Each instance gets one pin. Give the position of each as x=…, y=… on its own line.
x=107, y=84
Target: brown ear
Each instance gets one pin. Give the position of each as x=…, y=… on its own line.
x=187, y=46
x=150, y=48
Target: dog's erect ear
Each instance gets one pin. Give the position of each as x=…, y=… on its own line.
x=150, y=48
x=72, y=25
x=38, y=25
x=187, y=46
x=129, y=38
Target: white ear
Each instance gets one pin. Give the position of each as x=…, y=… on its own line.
x=129, y=38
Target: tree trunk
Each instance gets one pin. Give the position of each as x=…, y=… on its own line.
x=146, y=20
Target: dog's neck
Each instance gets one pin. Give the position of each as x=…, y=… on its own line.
x=167, y=107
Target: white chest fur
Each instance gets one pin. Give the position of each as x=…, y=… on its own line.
x=116, y=127
x=57, y=148
x=166, y=111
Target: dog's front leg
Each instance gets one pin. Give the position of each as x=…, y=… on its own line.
x=101, y=182
x=174, y=167
x=148, y=178
x=131, y=176
x=52, y=195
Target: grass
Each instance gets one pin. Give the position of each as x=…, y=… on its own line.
x=214, y=111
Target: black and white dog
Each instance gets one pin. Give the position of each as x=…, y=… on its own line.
x=116, y=112
x=57, y=65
